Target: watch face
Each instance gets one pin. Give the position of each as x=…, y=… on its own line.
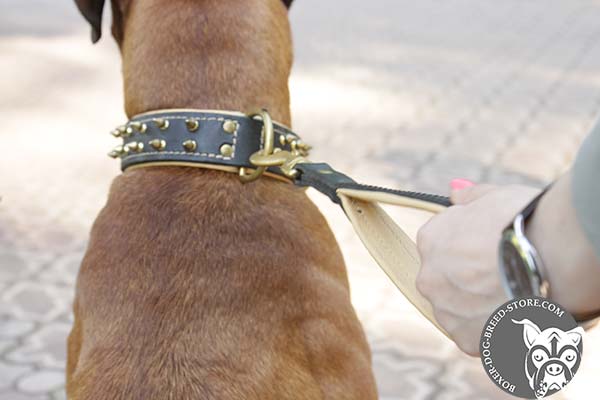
x=516, y=274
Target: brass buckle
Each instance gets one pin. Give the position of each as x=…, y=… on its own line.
x=269, y=156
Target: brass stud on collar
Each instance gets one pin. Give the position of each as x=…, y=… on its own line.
x=117, y=152
x=134, y=146
x=130, y=146
x=122, y=131
x=282, y=140
x=139, y=126
x=192, y=124
x=230, y=126
x=303, y=146
x=158, y=144
x=161, y=123
x=290, y=138
x=226, y=150
x=190, y=145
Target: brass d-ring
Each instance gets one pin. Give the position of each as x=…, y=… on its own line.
x=269, y=145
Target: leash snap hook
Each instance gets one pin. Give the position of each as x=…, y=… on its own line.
x=269, y=156
x=285, y=160
x=269, y=145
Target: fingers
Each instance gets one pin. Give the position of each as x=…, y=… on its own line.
x=469, y=194
x=459, y=184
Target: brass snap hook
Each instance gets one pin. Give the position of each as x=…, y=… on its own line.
x=269, y=146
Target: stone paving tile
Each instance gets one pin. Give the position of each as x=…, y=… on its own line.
x=409, y=94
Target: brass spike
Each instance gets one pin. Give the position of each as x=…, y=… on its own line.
x=192, y=124
x=135, y=146
x=302, y=147
x=127, y=132
x=226, y=150
x=123, y=131
x=130, y=146
x=282, y=140
x=117, y=152
x=139, y=126
x=190, y=145
x=158, y=144
x=230, y=126
x=161, y=123
x=289, y=138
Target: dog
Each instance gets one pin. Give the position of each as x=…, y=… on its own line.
x=552, y=357
x=194, y=285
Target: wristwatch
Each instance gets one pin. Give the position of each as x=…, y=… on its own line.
x=521, y=268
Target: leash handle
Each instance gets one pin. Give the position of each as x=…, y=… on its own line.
x=393, y=250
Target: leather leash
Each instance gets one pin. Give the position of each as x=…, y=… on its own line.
x=253, y=145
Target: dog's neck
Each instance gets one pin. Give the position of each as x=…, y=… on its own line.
x=212, y=54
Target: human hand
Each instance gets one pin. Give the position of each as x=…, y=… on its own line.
x=458, y=248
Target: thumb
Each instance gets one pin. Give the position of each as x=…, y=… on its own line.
x=468, y=194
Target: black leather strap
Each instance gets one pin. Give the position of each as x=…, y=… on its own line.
x=227, y=139
x=528, y=211
x=327, y=181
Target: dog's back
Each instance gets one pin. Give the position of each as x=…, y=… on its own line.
x=196, y=287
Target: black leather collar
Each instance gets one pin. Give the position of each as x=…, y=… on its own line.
x=199, y=137
x=227, y=140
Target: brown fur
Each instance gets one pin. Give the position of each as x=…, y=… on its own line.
x=195, y=286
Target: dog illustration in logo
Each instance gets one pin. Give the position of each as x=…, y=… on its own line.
x=552, y=357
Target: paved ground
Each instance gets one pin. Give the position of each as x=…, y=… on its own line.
x=403, y=93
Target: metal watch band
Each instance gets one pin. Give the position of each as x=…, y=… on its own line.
x=530, y=281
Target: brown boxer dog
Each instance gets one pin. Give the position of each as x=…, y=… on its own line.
x=194, y=285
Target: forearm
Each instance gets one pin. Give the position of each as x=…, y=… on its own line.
x=570, y=261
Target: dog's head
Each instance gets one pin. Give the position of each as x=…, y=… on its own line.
x=552, y=356
x=92, y=11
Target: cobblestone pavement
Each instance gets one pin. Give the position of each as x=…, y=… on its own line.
x=401, y=93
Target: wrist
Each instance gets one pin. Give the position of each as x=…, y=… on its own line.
x=569, y=263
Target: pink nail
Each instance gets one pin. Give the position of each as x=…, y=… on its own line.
x=459, y=184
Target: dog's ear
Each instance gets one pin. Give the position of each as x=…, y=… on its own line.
x=575, y=335
x=530, y=331
x=92, y=11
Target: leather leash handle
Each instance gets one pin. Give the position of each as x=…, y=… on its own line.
x=394, y=251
